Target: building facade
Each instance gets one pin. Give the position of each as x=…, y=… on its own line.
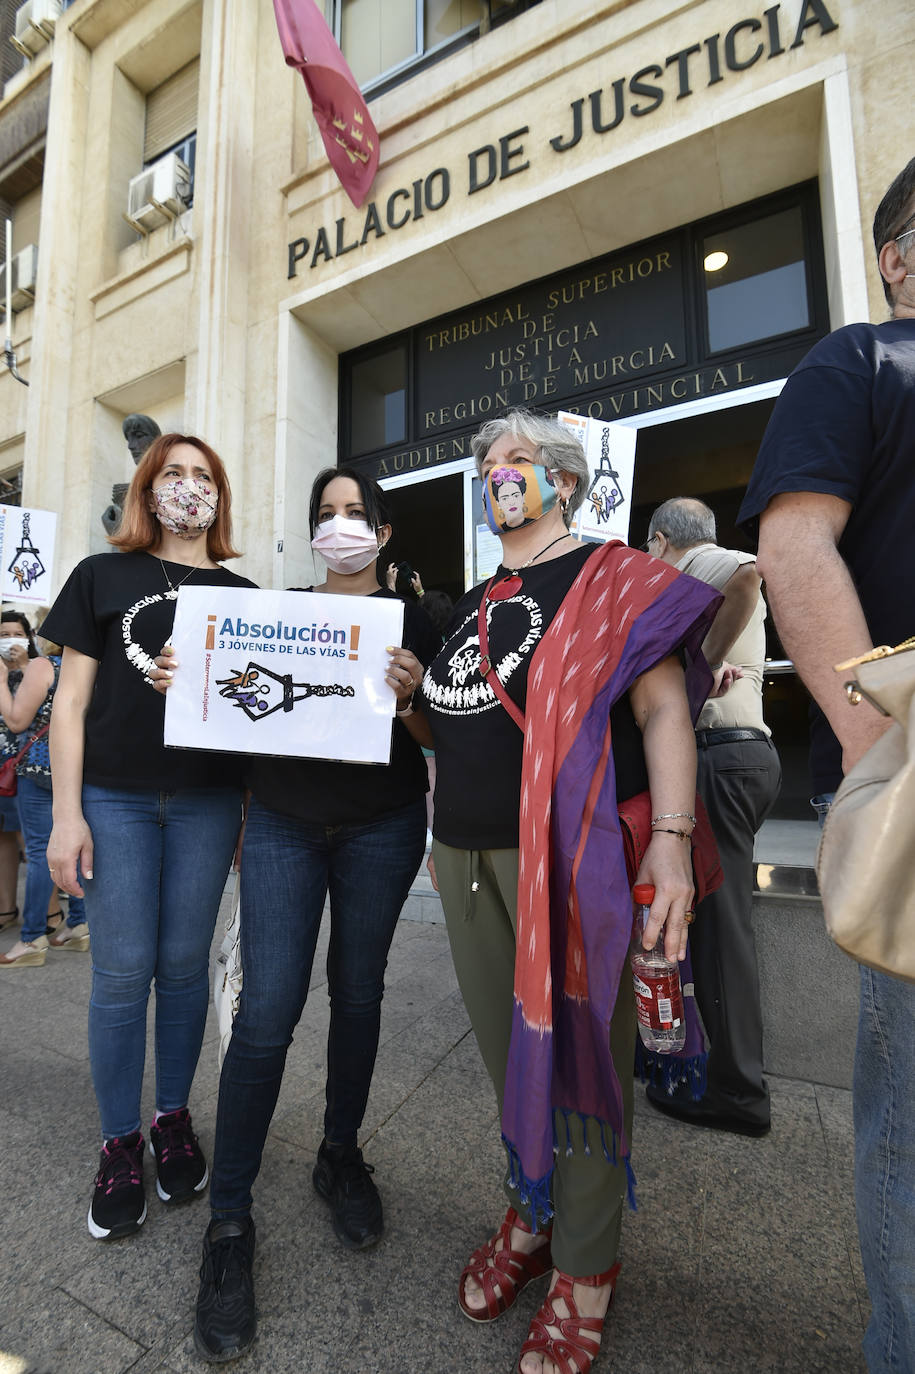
x=555, y=181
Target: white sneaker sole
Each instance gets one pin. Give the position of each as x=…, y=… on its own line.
x=99, y=1233
x=167, y=1197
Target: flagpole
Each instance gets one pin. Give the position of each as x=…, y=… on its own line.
x=8, y=353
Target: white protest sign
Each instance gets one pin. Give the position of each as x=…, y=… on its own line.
x=27, y=558
x=296, y=673
x=610, y=451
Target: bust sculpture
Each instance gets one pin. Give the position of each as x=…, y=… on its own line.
x=139, y=431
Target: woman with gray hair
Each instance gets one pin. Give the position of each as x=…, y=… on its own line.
x=558, y=694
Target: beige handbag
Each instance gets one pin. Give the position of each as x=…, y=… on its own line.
x=866, y=859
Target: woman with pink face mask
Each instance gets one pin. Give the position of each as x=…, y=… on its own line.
x=146, y=833
x=353, y=832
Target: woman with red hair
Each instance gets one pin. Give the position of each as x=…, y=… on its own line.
x=144, y=832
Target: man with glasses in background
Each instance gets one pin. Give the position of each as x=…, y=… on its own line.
x=738, y=779
x=834, y=493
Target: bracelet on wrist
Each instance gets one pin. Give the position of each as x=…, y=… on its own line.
x=674, y=816
x=680, y=834
x=407, y=710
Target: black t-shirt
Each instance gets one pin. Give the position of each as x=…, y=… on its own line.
x=352, y=793
x=478, y=747
x=844, y=425
x=116, y=608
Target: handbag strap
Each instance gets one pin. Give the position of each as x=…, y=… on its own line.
x=26, y=747
x=487, y=671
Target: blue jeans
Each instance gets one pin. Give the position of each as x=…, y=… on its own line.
x=884, y=1111
x=288, y=869
x=160, y=865
x=35, y=822
x=884, y=1108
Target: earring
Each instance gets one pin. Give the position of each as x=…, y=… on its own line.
x=563, y=504
x=524, y=508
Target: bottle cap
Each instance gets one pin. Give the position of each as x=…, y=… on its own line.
x=643, y=893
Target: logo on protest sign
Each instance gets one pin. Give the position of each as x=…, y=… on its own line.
x=26, y=566
x=259, y=692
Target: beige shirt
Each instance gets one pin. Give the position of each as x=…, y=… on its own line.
x=741, y=707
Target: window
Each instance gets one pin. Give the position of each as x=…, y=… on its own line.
x=384, y=40
x=11, y=487
x=378, y=412
x=171, y=119
x=10, y=60
x=756, y=280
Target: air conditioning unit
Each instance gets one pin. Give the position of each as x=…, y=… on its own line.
x=22, y=279
x=34, y=25
x=158, y=194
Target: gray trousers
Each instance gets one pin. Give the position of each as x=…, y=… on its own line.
x=588, y=1192
x=739, y=783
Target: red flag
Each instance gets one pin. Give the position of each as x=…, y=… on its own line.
x=342, y=116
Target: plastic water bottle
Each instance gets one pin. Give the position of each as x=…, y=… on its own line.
x=658, y=992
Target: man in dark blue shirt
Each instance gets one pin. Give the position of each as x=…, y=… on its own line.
x=834, y=492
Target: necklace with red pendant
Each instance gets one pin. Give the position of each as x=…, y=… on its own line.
x=511, y=585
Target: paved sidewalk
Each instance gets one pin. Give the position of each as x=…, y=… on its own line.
x=742, y=1256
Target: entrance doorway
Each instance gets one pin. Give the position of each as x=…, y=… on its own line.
x=428, y=521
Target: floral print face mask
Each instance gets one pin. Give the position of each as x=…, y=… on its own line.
x=186, y=506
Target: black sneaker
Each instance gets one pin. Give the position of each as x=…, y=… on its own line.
x=118, y=1205
x=181, y=1170
x=343, y=1179
x=226, y=1320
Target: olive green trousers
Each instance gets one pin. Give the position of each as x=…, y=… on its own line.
x=479, y=890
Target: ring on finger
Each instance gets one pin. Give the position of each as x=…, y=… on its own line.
x=689, y=917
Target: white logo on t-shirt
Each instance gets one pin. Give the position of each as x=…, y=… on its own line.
x=136, y=655
x=465, y=692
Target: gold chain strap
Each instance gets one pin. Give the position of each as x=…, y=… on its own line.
x=882, y=651
x=853, y=689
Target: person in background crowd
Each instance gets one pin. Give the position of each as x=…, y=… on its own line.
x=584, y=639
x=405, y=573
x=834, y=495
x=739, y=777
x=437, y=605
x=14, y=649
x=357, y=833
x=147, y=832
x=25, y=707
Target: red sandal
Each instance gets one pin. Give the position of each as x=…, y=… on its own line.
x=579, y=1337
x=503, y=1273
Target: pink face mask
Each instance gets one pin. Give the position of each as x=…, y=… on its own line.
x=346, y=545
x=186, y=506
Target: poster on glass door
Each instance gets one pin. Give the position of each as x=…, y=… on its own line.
x=610, y=450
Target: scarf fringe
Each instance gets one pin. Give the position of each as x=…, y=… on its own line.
x=669, y=1071
x=536, y=1194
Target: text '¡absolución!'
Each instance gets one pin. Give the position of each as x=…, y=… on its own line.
x=315, y=634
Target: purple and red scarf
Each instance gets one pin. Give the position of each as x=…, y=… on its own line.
x=624, y=613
